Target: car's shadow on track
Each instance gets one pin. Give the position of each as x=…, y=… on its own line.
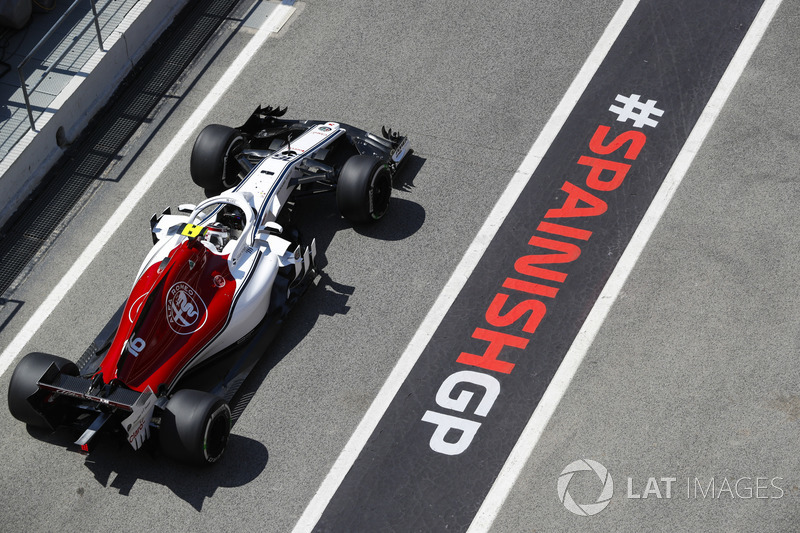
x=325, y=298
x=114, y=464
x=244, y=460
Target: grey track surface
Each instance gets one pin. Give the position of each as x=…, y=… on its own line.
x=693, y=374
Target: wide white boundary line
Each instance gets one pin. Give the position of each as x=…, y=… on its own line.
x=463, y=270
x=272, y=24
x=555, y=391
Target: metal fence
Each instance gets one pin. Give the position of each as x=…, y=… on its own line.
x=26, y=91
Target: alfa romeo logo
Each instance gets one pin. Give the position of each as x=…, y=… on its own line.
x=186, y=312
x=585, y=509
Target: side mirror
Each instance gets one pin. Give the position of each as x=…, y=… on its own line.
x=270, y=228
x=186, y=208
x=273, y=228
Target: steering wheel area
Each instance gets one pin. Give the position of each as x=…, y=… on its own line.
x=232, y=218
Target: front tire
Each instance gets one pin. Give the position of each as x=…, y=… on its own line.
x=364, y=189
x=213, y=164
x=195, y=426
x=23, y=385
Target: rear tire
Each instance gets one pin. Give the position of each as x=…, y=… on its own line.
x=23, y=385
x=213, y=164
x=195, y=426
x=364, y=189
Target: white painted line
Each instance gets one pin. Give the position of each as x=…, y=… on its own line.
x=276, y=20
x=555, y=391
x=347, y=457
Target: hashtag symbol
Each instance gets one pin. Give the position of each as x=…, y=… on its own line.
x=636, y=111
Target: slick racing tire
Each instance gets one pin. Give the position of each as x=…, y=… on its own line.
x=213, y=164
x=364, y=189
x=42, y=407
x=195, y=426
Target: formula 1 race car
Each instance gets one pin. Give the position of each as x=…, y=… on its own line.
x=210, y=295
